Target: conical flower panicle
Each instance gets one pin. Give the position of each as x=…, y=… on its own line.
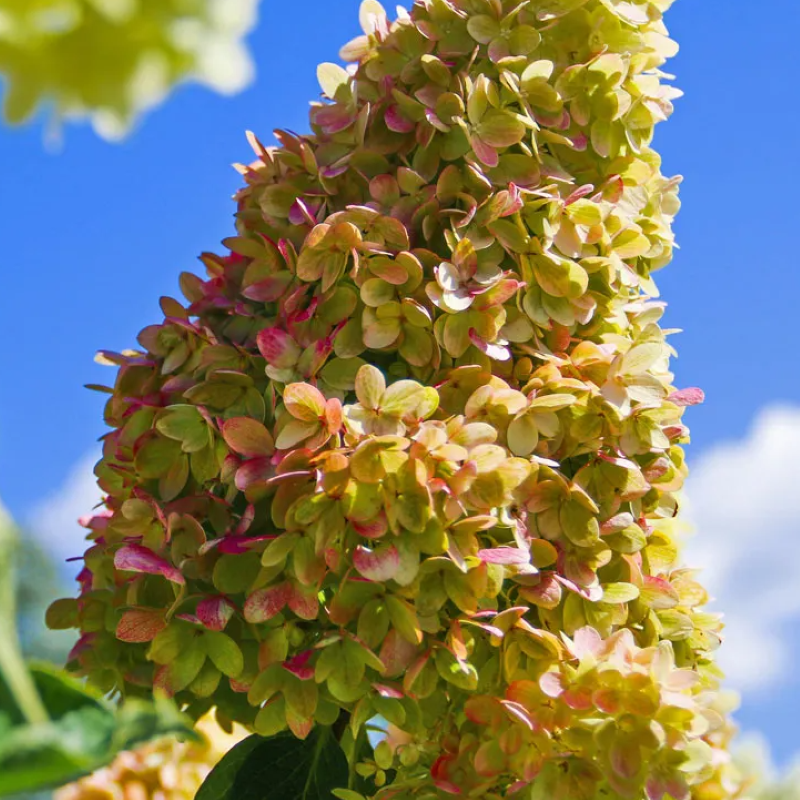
x=412, y=448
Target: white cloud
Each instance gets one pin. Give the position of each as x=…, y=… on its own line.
x=54, y=521
x=744, y=504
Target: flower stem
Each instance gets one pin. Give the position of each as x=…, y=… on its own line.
x=12, y=665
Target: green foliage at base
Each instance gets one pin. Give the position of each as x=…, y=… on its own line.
x=82, y=733
x=282, y=766
x=53, y=729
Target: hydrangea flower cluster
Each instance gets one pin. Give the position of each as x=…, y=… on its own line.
x=412, y=448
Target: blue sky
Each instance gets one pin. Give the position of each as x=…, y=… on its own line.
x=95, y=234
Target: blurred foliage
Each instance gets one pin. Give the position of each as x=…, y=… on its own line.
x=54, y=729
x=110, y=60
x=38, y=583
x=766, y=782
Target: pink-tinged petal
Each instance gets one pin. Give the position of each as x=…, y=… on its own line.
x=270, y=289
x=498, y=49
x=215, y=612
x=304, y=402
x=162, y=682
x=241, y=686
x=246, y=520
x=580, y=141
x=397, y=654
x=81, y=646
x=334, y=416
x=676, y=431
x=236, y=545
x=612, y=190
x=293, y=302
x=335, y=170
x=483, y=710
x=547, y=593
x=504, y=555
x=379, y=565
x=301, y=727
x=374, y=529
x=140, y=625
x=593, y=593
x=430, y=115
x=440, y=776
x=333, y=119
x=586, y=641
x=305, y=314
x=497, y=352
x=253, y=471
x=626, y=759
x=300, y=665
x=489, y=759
x=411, y=671
x=551, y=683
x=304, y=601
x=136, y=558
x=518, y=713
x=333, y=558
x=580, y=192
x=247, y=437
x=300, y=214
x=278, y=348
x=395, y=121
x=658, y=593
x=288, y=251
x=618, y=461
x=264, y=604
x=655, y=788
x=485, y=153
x=491, y=630
x=607, y=700
x=680, y=679
x=514, y=201
x=617, y=523
x=578, y=699
x=688, y=397
x=388, y=691
x=675, y=785
x=97, y=521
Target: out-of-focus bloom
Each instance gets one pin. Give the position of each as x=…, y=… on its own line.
x=163, y=770
x=112, y=60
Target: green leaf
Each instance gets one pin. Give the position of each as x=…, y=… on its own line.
x=248, y=437
x=82, y=735
x=224, y=652
x=279, y=767
x=501, y=129
x=331, y=78
x=184, y=424
x=620, y=592
x=483, y=28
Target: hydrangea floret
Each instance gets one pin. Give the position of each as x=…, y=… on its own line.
x=413, y=448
